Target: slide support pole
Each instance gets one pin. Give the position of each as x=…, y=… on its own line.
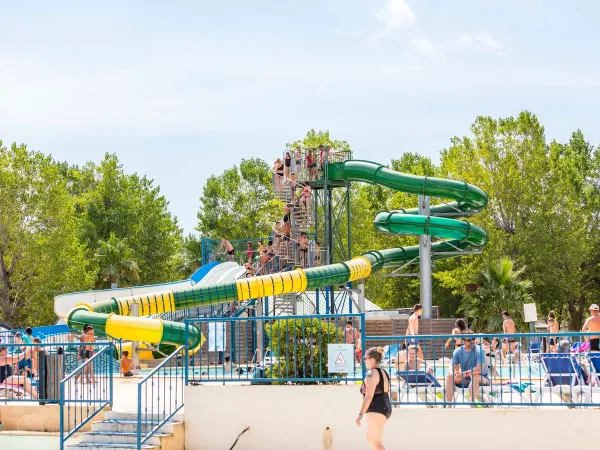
x=425, y=261
x=135, y=345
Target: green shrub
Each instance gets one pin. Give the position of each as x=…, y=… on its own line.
x=300, y=346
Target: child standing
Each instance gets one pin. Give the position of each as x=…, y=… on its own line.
x=250, y=252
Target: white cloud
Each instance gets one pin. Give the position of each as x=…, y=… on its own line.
x=484, y=40
x=488, y=40
x=396, y=14
x=424, y=47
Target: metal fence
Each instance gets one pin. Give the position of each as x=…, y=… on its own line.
x=32, y=372
x=160, y=397
x=266, y=350
x=84, y=392
x=486, y=370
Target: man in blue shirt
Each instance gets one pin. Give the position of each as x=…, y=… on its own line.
x=470, y=368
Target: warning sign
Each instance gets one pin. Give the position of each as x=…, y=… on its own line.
x=340, y=358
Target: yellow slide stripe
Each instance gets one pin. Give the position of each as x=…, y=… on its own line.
x=134, y=328
x=158, y=303
x=360, y=267
x=82, y=305
x=273, y=284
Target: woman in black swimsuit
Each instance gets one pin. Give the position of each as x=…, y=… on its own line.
x=376, y=401
x=288, y=163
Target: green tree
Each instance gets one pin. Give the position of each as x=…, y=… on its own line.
x=116, y=268
x=542, y=200
x=239, y=203
x=40, y=256
x=501, y=287
x=132, y=207
x=315, y=138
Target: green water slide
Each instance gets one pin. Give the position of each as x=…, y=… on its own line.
x=460, y=235
x=114, y=316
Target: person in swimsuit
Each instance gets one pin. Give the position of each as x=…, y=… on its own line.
x=298, y=158
x=592, y=324
x=459, y=327
x=127, y=369
x=317, y=254
x=303, y=243
x=277, y=230
x=88, y=352
x=412, y=362
x=250, y=252
x=264, y=261
x=293, y=184
x=278, y=170
x=288, y=165
x=305, y=197
x=6, y=377
x=470, y=368
x=553, y=327
x=413, y=327
x=508, y=326
x=287, y=228
x=376, y=398
x=226, y=245
x=250, y=271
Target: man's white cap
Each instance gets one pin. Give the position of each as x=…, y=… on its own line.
x=594, y=307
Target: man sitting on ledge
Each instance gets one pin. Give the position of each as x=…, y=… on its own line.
x=470, y=368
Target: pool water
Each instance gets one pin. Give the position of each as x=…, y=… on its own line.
x=522, y=372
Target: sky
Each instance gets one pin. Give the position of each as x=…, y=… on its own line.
x=185, y=89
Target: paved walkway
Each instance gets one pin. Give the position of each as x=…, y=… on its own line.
x=14, y=440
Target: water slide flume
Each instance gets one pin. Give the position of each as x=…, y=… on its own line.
x=114, y=316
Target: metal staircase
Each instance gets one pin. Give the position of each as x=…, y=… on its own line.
x=285, y=305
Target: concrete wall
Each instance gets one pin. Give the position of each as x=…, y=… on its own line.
x=34, y=417
x=322, y=417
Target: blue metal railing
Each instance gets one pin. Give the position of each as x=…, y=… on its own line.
x=81, y=401
x=282, y=349
x=160, y=397
x=34, y=371
x=525, y=369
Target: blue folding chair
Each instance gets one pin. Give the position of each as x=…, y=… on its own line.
x=417, y=382
x=564, y=375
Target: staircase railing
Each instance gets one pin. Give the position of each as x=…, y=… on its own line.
x=160, y=396
x=79, y=403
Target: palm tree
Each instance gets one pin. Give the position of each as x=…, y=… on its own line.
x=501, y=287
x=191, y=258
x=116, y=267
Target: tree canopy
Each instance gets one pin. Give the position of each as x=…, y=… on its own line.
x=59, y=223
x=40, y=255
x=55, y=218
x=239, y=203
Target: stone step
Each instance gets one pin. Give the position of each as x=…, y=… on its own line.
x=116, y=437
x=130, y=426
x=116, y=415
x=104, y=446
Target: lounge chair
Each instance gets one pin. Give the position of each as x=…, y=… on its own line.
x=418, y=382
x=594, y=363
x=13, y=391
x=564, y=376
x=535, y=349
